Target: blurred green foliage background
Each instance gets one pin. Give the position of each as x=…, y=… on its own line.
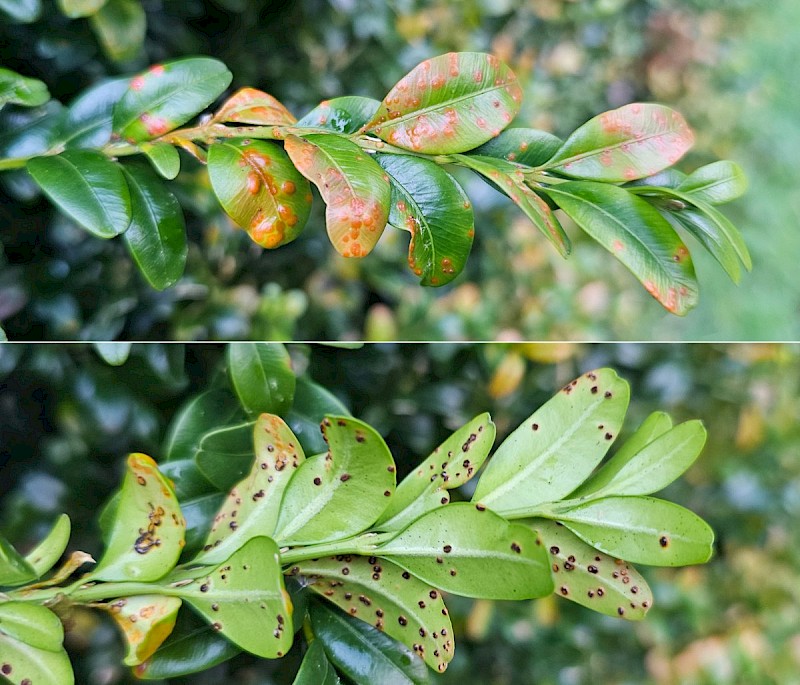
x=69, y=418
x=728, y=66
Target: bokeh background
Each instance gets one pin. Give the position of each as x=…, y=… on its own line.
x=68, y=419
x=728, y=66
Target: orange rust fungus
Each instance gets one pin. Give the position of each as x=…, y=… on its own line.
x=437, y=81
x=156, y=69
x=618, y=246
x=477, y=76
x=253, y=183
x=288, y=187
x=680, y=254
x=137, y=83
x=452, y=59
x=155, y=126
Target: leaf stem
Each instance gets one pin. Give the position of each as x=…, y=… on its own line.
x=364, y=544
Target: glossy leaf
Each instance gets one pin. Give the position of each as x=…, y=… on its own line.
x=80, y=8
x=146, y=534
x=47, y=553
x=199, y=512
x=225, y=454
x=252, y=506
x=642, y=530
x=164, y=158
x=22, y=11
x=262, y=376
x=451, y=103
x=526, y=146
x=88, y=187
x=156, y=237
x=450, y=465
x=509, y=179
x=260, y=189
x=168, y=95
x=120, y=27
x=88, y=118
x=243, y=598
x=382, y=594
x=355, y=189
x=210, y=409
x=716, y=183
x=20, y=90
x=14, y=569
x=637, y=235
x=315, y=668
x=113, y=353
x=341, y=493
x=33, y=131
x=631, y=142
x=32, y=624
x=311, y=403
x=344, y=115
x=591, y=578
x=431, y=205
x=363, y=654
x=471, y=551
x=557, y=447
x=146, y=621
x=251, y=106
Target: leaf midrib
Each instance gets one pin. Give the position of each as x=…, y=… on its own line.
x=555, y=162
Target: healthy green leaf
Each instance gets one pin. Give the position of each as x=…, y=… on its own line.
x=146, y=621
x=14, y=569
x=211, y=409
x=451, y=103
x=225, y=454
x=431, y=205
x=715, y=183
x=146, y=535
x=113, y=353
x=509, y=179
x=45, y=555
x=364, y=654
x=669, y=178
x=591, y=578
x=156, y=237
x=251, y=106
x=344, y=115
x=468, y=550
x=316, y=669
x=557, y=447
x=260, y=189
x=199, y=512
x=86, y=186
x=311, y=403
x=88, y=118
x=120, y=27
x=341, y=493
x=188, y=479
x=168, y=95
x=382, y=594
x=262, y=376
x=355, y=189
x=643, y=530
x=637, y=235
x=252, y=506
x=526, y=146
x=164, y=158
x=450, y=465
x=32, y=624
x=20, y=90
x=624, y=144
x=80, y=8
x=21, y=11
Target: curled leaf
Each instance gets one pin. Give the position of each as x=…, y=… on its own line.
x=252, y=106
x=146, y=621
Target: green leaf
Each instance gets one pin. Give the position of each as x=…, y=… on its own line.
x=431, y=205
x=156, y=237
x=451, y=103
x=262, y=376
x=188, y=479
x=113, y=353
x=363, y=654
x=47, y=553
x=252, y=506
x=311, y=403
x=382, y=594
x=557, y=447
x=20, y=90
x=716, y=183
x=145, y=621
x=341, y=493
x=88, y=117
x=199, y=512
x=243, y=598
x=509, y=179
x=522, y=146
x=21, y=11
x=80, y=8
x=651, y=468
x=168, y=95
x=146, y=534
x=591, y=578
x=260, y=189
x=355, y=189
x=669, y=178
x=88, y=187
x=468, y=550
x=14, y=569
x=251, y=106
x=120, y=27
x=637, y=235
x=316, y=669
x=643, y=530
x=225, y=454
x=344, y=115
x=450, y=465
x=631, y=142
x=32, y=624
x=208, y=410
x=164, y=158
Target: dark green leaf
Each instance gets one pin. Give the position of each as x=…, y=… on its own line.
x=47, y=553
x=344, y=115
x=21, y=11
x=164, y=158
x=311, y=403
x=316, y=669
x=29, y=132
x=225, y=454
x=522, y=146
x=19, y=90
x=188, y=479
x=113, y=353
x=715, y=183
x=120, y=27
x=262, y=376
x=88, y=118
x=198, y=512
x=251, y=106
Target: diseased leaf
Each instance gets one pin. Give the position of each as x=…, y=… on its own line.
x=260, y=189
x=47, y=553
x=88, y=187
x=526, y=146
x=344, y=115
x=715, y=183
x=341, y=493
x=355, y=189
x=146, y=621
x=120, y=26
x=14, y=569
x=468, y=550
x=557, y=447
x=382, y=594
x=251, y=106
x=262, y=376
x=451, y=103
x=431, y=205
x=637, y=235
x=164, y=158
x=624, y=144
x=20, y=90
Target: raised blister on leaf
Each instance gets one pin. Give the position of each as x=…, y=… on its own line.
x=451, y=103
x=146, y=621
x=252, y=106
x=355, y=189
x=45, y=555
x=343, y=115
x=624, y=144
x=527, y=146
